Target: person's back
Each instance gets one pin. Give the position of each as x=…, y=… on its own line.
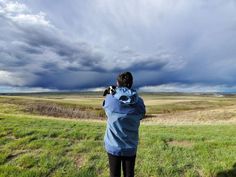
x=124, y=110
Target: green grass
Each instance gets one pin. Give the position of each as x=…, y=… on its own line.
x=34, y=145
x=46, y=147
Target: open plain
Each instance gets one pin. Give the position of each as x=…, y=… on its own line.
x=61, y=134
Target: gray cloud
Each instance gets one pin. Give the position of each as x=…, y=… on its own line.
x=162, y=42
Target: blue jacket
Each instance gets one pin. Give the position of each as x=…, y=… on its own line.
x=124, y=111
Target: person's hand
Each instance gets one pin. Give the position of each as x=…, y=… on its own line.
x=110, y=90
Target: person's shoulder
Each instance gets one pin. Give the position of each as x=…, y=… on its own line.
x=110, y=101
x=110, y=97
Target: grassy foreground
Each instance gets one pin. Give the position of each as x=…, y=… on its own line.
x=35, y=146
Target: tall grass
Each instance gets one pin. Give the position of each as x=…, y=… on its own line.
x=82, y=106
x=54, y=108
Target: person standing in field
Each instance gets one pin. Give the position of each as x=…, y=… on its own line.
x=124, y=110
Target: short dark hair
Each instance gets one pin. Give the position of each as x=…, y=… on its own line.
x=125, y=79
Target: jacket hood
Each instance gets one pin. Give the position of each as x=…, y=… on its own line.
x=126, y=95
x=124, y=101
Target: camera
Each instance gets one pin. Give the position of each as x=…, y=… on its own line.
x=110, y=90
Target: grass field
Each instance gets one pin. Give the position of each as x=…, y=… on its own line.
x=185, y=135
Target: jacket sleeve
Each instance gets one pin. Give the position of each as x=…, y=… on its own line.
x=108, y=102
x=107, y=105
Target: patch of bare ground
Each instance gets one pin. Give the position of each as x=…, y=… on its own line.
x=79, y=161
x=183, y=143
x=200, y=173
x=225, y=114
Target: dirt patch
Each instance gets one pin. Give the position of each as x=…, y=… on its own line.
x=79, y=161
x=184, y=143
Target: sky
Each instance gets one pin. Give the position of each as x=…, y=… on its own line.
x=69, y=45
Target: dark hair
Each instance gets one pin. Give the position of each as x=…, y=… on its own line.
x=125, y=80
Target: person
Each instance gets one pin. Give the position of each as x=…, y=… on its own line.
x=124, y=110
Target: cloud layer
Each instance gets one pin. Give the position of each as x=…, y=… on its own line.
x=86, y=44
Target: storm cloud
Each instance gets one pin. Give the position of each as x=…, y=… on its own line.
x=75, y=45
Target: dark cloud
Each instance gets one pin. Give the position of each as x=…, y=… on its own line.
x=41, y=55
x=160, y=42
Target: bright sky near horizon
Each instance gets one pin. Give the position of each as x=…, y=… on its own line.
x=168, y=45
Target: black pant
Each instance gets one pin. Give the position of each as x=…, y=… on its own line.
x=128, y=163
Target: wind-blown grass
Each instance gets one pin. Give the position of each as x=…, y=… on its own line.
x=36, y=145
x=46, y=147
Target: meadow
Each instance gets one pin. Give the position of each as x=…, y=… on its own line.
x=182, y=135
